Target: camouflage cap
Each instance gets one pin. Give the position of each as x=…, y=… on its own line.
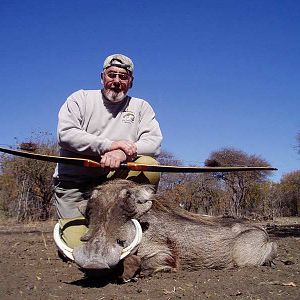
x=118, y=60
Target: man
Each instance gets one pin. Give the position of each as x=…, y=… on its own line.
x=107, y=126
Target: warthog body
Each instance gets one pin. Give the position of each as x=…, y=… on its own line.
x=172, y=237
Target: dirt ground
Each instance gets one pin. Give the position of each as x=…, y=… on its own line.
x=31, y=269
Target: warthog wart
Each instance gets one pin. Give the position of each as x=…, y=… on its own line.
x=172, y=237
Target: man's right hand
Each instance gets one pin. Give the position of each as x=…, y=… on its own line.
x=128, y=147
x=112, y=159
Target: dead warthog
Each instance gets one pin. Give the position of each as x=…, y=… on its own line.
x=172, y=237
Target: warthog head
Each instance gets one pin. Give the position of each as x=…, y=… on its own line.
x=109, y=212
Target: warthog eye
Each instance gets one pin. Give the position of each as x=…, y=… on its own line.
x=121, y=242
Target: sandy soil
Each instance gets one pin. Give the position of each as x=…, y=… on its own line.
x=31, y=269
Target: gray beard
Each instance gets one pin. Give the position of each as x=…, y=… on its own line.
x=113, y=97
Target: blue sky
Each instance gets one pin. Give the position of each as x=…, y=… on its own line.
x=219, y=73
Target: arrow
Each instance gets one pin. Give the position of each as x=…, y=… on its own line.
x=131, y=165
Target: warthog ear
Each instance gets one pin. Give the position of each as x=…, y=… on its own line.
x=137, y=200
x=139, y=194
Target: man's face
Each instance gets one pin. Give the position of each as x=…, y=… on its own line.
x=116, y=83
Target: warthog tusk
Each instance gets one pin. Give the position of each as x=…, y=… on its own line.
x=68, y=252
x=61, y=245
x=136, y=241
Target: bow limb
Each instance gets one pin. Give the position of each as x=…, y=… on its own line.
x=131, y=165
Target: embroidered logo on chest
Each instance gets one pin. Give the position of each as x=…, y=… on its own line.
x=128, y=117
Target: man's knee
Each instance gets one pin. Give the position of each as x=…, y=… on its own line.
x=72, y=229
x=145, y=177
x=139, y=176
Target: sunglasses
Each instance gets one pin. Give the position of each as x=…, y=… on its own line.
x=122, y=76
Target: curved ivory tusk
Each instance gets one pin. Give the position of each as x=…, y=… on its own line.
x=136, y=241
x=61, y=245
